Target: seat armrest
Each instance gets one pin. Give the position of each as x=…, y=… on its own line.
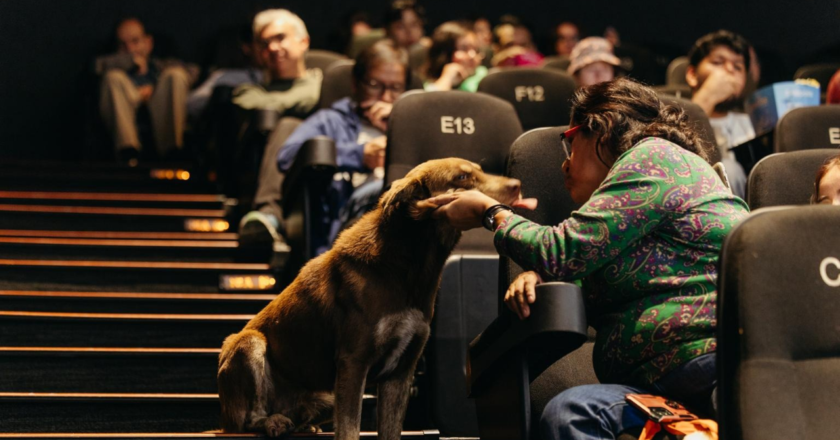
x=557, y=326
x=315, y=163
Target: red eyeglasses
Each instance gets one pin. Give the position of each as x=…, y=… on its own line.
x=566, y=139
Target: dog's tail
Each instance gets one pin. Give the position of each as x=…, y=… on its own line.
x=241, y=378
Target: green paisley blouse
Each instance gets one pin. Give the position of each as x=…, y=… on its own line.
x=645, y=248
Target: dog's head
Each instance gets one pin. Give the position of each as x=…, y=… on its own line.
x=442, y=176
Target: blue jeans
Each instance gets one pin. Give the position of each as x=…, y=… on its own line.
x=600, y=411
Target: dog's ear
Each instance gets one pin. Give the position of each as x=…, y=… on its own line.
x=407, y=193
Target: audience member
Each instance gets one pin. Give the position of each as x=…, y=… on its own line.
x=717, y=75
x=567, y=36
x=515, y=46
x=827, y=183
x=133, y=78
x=649, y=290
x=231, y=76
x=281, y=42
x=832, y=94
x=593, y=61
x=404, y=22
x=454, y=59
x=484, y=36
x=358, y=126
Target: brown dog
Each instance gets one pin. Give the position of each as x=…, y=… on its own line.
x=359, y=313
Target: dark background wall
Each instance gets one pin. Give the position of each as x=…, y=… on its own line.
x=48, y=45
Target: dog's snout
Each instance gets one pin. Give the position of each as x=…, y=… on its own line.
x=513, y=185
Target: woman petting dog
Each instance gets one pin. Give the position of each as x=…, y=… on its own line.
x=644, y=247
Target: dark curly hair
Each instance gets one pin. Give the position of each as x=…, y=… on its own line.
x=821, y=172
x=444, y=45
x=620, y=113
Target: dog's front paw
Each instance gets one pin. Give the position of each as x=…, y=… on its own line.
x=309, y=428
x=277, y=425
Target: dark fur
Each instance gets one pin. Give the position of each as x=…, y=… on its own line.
x=358, y=314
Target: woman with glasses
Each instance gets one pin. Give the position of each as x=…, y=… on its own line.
x=454, y=59
x=357, y=125
x=644, y=247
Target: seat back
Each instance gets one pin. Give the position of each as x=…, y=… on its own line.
x=337, y=83
x=536, y=158
x=560, y=63
x=807, y=128
x=820, y=72
x=675, y=75
x=699, y=121
x=778, y=344
x=321, y=59
x=434, y=125
x=785, y=178
x=541, y=97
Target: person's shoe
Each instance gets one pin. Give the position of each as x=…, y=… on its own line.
x=258, y=230
x=129, y=156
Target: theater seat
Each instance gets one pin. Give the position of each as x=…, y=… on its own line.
x=337, y=84
x=807, y=128
x=500, y=372
x=699, y=121
x=560, y=63
x=778, y=339
x=785, y=178
x=541, y=97
x=675, y=75
x=321, y=59
x=820, y=72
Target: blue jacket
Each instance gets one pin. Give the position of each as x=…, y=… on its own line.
x=340, y=123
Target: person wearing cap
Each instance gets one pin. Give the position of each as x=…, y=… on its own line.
x=593, y=61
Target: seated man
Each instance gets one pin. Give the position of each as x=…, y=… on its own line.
x=281, y=41
x=358, y=126
x=133, y=78
x=717, y=75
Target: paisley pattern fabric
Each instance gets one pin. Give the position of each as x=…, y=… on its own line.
x=645, y=248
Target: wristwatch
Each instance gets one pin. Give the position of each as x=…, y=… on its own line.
x=489, y=220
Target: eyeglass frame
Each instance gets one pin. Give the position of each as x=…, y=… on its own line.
x=565, y=140
x=371, y=85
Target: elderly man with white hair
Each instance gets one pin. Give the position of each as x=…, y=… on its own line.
x=281, y=40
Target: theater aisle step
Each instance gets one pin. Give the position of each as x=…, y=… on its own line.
x=49, y=176
x=120, y=235
x=107, y=218
x=108, y=370
x=116, y=200
x=134, y=302
x=135, y=276
x=131, y=250
x=406, y=435
x=135, y=330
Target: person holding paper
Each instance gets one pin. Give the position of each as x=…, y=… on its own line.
x=717, y=74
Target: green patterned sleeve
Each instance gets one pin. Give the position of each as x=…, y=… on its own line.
x=630, y=204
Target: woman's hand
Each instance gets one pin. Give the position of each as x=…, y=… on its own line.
x=463, y=210
x=522, y=293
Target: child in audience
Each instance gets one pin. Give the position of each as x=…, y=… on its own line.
x=454, y=59
x=827, y=183
x=593, y=61
x=644, y=247
x=717, y=75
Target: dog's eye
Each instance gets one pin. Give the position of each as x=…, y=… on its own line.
x=462, y=177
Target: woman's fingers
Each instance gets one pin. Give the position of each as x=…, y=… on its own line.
x=512, y=303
